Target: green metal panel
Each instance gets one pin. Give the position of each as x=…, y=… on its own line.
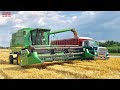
x=46, y=34
x=28, y=58
x=87, y=54
x=27, y=39
x=19, y=39
x=32, y=59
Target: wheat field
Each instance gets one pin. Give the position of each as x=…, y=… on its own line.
x=94, y=69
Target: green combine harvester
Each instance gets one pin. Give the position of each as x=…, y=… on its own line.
x=32, y=46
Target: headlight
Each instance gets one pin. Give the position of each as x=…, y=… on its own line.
x=107, y=53
x=95, y=53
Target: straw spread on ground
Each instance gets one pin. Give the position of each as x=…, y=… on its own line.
x=76, y=69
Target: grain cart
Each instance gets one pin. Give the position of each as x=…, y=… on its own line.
x=32, y=46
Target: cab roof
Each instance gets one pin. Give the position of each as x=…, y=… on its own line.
x=24, y=29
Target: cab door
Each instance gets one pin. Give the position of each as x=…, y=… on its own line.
x=38, y=37
x=33, y=36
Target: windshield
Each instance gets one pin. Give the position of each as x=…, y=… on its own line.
x=91, y=43
x=37, y=37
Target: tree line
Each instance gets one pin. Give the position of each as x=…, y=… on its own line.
x=112, y=46
x=109, y=43
x=4, y=47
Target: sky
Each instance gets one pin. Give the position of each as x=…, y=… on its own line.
x=99, y=25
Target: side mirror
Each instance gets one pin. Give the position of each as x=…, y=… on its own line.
x=24, y=32
x=97, y=42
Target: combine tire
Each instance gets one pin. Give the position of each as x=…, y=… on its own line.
x=18, y=58
x=90, y=59
x=11, y=59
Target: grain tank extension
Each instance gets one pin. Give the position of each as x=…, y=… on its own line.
x=32, y=46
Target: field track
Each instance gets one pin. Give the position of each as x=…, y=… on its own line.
x=96, y=69
x=114, y=56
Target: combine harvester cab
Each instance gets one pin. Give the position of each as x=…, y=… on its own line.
x=31, y=46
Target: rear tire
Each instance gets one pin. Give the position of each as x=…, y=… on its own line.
x=11, y=59
x=106, y=58
x=90, y=59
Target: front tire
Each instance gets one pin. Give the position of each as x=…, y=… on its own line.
x=11, y=59
x=18, y=58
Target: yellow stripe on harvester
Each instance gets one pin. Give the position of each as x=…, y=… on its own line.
x=19, y=47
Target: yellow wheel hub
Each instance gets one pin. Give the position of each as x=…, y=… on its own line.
x=19, y=59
